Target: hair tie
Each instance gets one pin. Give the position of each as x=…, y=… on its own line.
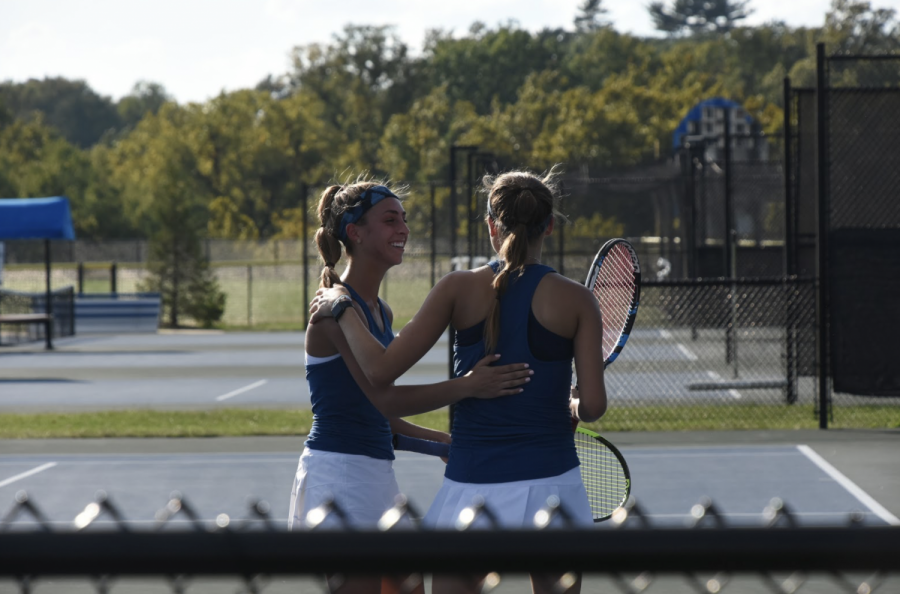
x=329, y=264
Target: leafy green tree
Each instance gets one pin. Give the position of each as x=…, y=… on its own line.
x=853, y=27
x=415, y=144
x=698, y=16
x=594, y=56
x=36, y=161
x=491, y=65
x=145, y=97
x=103, y=215
x=157, y=171
x=361, y=79
x=70, y=106
x=254, y=152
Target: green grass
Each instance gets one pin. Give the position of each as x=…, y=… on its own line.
x=147, y=423
x=246, y=422
x=742, y=416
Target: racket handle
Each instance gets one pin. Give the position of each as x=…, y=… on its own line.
x=421, y=446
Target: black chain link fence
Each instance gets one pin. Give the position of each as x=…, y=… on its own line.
x=714, y=353
x=101, y=551
x=860, y=173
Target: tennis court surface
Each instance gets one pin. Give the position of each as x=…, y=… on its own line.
x=822, y=476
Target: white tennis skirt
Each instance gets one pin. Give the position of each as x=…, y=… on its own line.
x=514, y=504
x=363, y=487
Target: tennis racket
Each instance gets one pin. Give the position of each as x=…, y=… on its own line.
x=606, y=477
x=615, y=280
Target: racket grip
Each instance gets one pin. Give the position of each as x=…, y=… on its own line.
x=421, y=446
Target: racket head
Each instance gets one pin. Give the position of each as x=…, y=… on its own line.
x=614, y=278
x=606, y=477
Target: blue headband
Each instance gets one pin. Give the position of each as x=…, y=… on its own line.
x=533, y=230
x=370, y=198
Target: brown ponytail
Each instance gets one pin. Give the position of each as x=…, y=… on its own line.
x=328, y=244
x=521, y=205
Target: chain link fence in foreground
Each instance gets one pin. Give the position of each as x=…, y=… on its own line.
x=103, y=550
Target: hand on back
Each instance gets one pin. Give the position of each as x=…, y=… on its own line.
x=320, y=306
x=492, y=382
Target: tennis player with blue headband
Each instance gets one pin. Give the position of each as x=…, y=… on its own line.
x=348, y=455
x=514, y=451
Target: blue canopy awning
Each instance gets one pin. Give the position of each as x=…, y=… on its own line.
x=695, y=114
x=36, y=218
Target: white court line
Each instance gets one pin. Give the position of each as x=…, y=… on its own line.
x=734, y=393
x=116, y=523
x=19, y=477
x=684, y=350
x=863, y=497
x=252, y=386
x=761, y=516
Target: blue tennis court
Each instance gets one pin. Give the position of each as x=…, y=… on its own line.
x=668, y=481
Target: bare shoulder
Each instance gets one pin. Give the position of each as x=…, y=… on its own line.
x=462, y=280
x=562, y=287
x=319, y=340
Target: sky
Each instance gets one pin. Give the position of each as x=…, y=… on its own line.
x=198, y=48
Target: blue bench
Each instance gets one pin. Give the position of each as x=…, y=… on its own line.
x=119, y=313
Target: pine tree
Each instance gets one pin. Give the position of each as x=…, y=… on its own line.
x=589, y=16
x=179, y=270
x=699, y=16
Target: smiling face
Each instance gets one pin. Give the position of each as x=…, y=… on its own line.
x=383, y=233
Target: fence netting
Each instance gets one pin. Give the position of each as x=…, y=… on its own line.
x=707, y=351
x=183, y=550
x=862, y=148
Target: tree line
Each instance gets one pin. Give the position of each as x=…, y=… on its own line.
x=233, y=166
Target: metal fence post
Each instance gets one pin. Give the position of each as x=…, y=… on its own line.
x=249, y=294
x=562, y=236
x=822, y=181
x=304, y=240
x=730, y=251
x=433, y=234
x=48, y=308
x=451, y=334
x=790, y=265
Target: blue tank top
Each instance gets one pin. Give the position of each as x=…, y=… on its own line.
x=521, y=437
x=344, y=420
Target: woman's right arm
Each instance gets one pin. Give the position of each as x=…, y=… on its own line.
x=383, y=366
x=591, y=402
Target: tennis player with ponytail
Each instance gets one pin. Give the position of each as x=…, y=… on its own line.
x=348, y=455
x=514, y=452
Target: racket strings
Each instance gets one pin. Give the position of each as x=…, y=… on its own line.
x=603, y=476
x=614, y=288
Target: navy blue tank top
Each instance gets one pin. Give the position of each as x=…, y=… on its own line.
x=521, y=437
x=344, y=420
